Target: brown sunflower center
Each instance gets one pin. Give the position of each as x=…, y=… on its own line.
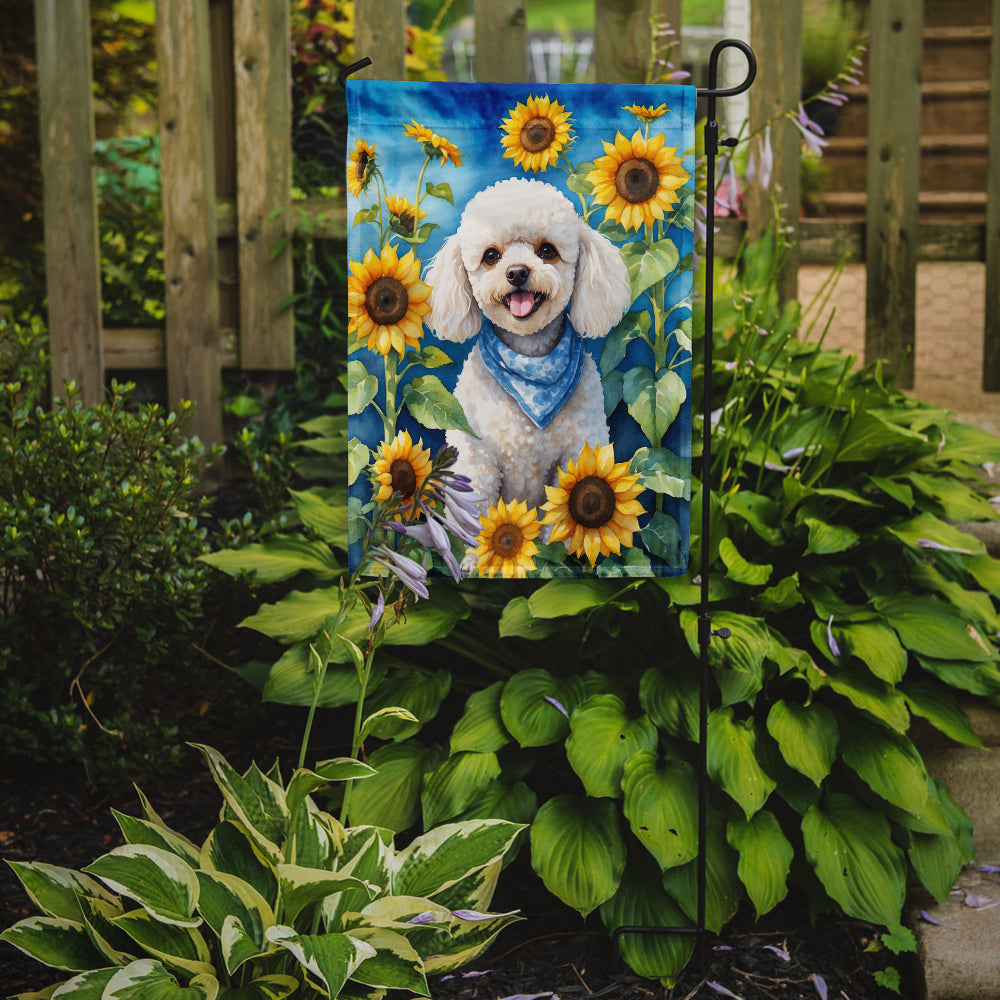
x=404, y=479
x=362, y=165
x=636, y=180
x=537, y=134
x=592, y=502
x=408, y=222
x=507, y=540
x=386, y=300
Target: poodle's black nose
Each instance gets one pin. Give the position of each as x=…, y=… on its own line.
x=517, y=274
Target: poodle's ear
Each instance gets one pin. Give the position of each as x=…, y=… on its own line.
x=602, y=292
x=454, y=314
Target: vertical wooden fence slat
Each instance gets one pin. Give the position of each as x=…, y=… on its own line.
x=621, y=40
x=501, y=41
x=261, y=58
x=72, y=257
x=190, y=253
x=991, y=331
x=380, y=34
x=776, y=36
x=893, y=183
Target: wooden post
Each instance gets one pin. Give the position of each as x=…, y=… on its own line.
x=72, y=255
x=622, y=40
x=893, y=183
x=380, y=34
x=190, y=253
x=501, y=39
x=776, y=35
x=261, y=30
x=991, y=332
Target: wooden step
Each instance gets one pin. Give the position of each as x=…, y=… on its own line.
x=959, y=206
x=947, y=106
x=956, y=53
x=945, y=12
x=947, y=162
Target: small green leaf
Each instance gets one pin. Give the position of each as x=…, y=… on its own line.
x=662, y=537
x=362, y=387
x=431, y=404
x=653, y=402
x=632, y=327
x=739, y=569
x=442, y=191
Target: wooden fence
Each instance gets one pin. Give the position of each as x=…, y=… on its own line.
x=226, y=161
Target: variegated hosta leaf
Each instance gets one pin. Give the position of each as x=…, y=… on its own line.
x=149, y=980
x=315, y=838
x=304, y=782
x=230, y=849
x=661, y=800
x=301, y=887
x=87, y=986
x=467, y=941
x=850, y=847
x=765, y=858
x=141, y=831
x=732, y=760
x=56, y=891
x=578, y=851
x=177, y=947
x=54, y=941
x=475, y=891
x=441, y=857
x=329, y=959
x=642, y=902
x=367, y=853
x=807, y=736
x=395, y=964
x=225, y=897
x=116, y=947
x=158, y=880
x=256, y=801
x=275, y=987
x=602, y=738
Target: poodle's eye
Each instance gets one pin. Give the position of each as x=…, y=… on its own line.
x=547, y=251
x=490, y=256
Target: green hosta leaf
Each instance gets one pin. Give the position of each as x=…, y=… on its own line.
x=937, y=858
x=362, y=387
x=653, y=401
x=275, y=987
x=456, y=784
x=366, y=856
x=660, y=805
x=870, y=436
x=976, y=678
x=432, y=405
x=230, y=849
x=481, y=728
x=751, y=574
x=292, y=680
x=330, y=959
x=54, y=941
x=56, y=891
x=468, y=940
x=936, y=704
x=760, y=512
x=648, y=264
x=395, y=964
x=829, y=539
x=807, y=736
x=876, y=646
x=850, y=847
x=147, y=979
x=301, y=887
x=663, y=472
x=732, y=760
x=560, y=598
x=867, y=693
x=578, y=851
x=632, y=326
x=440, y=858
x=238, y=944
x=782, y=596
x=927, y=528
x=602, y=738
x=738, y=661
x=641, y=901
x=932, y=628
x=263, y=812
x=299, y=615
x=159, y=881
x=765, y=858
x=515, y=803
x=327, y=520
x=517, y=620
x=530, y=706
x=391, y=798
x=180, y=948
x=888, y=763
x=279, y=558
x=387, y=722
x=957, y=501
x=418, y=690
x=723, y=889
x=671, y=700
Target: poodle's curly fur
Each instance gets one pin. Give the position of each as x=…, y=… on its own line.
x=516, y=237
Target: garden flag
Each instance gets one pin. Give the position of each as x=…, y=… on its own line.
x=519, y=289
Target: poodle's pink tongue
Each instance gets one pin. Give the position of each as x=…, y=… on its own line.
x=521, y=303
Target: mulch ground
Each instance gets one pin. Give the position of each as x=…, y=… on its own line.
x=550, y=953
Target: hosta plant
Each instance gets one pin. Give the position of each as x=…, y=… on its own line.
x=279, y=900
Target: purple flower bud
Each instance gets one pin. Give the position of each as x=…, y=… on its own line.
x=558, y=705
x=427, y=917
x=820, y=983
x=377, y=612
x=411, y=574
x=834, y=648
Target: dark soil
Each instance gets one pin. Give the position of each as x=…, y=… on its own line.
x=551, y=952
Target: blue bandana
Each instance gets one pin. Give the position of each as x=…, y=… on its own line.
x=539, y=385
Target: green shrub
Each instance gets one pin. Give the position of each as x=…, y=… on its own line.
x=101, y=584
x=279, y=900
